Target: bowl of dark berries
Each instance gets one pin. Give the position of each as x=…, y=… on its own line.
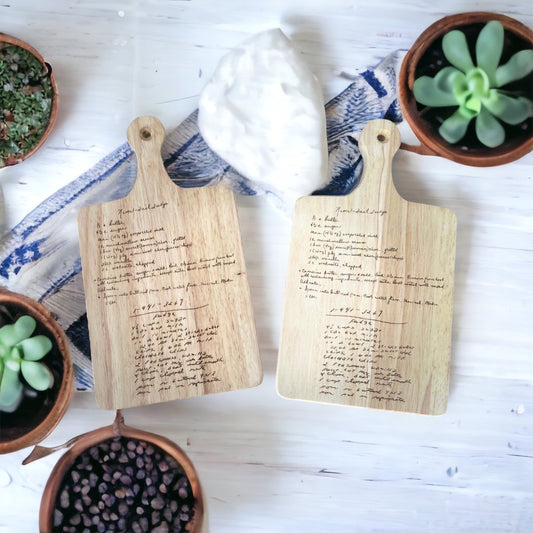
x=121, y=479
x=28, y=100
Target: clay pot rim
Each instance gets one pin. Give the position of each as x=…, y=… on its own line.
x=10, y=39
x=64, y=395
x=434, y=144
x=97, y=436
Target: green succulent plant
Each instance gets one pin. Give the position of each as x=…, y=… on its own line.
x=478, y=90
x=20, y=354
x=26, y=98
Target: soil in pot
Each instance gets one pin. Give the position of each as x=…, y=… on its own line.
x=124, y=485
x=26, y=101
x=35, y=406
x=433, y=60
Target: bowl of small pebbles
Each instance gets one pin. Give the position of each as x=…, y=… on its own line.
x=121, y=479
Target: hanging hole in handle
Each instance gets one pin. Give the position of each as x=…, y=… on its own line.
x=383, y=137
x=146, y=134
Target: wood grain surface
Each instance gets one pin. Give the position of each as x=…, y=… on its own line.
x=368, y=305
x=168, y=302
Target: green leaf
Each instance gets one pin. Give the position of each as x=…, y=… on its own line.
x=455, y=49
x=37, y=375
x=12, y=334
x=427, y=92
x=489, y=47
x=11, y=390
x=453, y=129
x=460, y=88
x=518, y=66
x=511, y=110
x=448, y=78
x=7, y=335
x=13, y=359
x=478, y=82
x=488, y=129
x=471, y=107
x=35, y=348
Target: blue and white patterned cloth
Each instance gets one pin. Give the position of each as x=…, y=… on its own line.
x=40, y=257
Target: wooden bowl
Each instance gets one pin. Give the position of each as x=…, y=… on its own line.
x=37, y=417
x=9, y=39
x=119, y=429
x=431, y=141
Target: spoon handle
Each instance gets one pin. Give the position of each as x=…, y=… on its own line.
x=42, y=451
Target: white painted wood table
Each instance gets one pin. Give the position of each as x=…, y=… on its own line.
x=269, y=464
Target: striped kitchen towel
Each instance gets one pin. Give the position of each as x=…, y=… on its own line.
x=40, y=257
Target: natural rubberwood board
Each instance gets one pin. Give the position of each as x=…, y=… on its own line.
x=167, y=295
x=368, y=302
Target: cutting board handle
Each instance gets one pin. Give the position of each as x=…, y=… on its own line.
x=378, y=143
x=146, y=135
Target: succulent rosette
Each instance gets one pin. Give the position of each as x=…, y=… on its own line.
x=20, y=355
x=478, y=90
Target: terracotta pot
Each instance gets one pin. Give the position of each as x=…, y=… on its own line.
x=431, y=141
x=118, y=429
x=4, y=38
x=37, y=417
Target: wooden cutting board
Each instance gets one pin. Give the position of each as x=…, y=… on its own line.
x=168, y=302
x=368, y=303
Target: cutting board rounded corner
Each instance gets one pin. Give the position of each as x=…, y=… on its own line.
x=285, y=390
x=288, y=396
x=105, y=401
x=259, y=378
x=301, y=202
x=440, y=412
x=280, y=392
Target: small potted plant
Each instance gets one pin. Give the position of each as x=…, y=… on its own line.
x=36, y=375
x=465, y=88
x=28, y=100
